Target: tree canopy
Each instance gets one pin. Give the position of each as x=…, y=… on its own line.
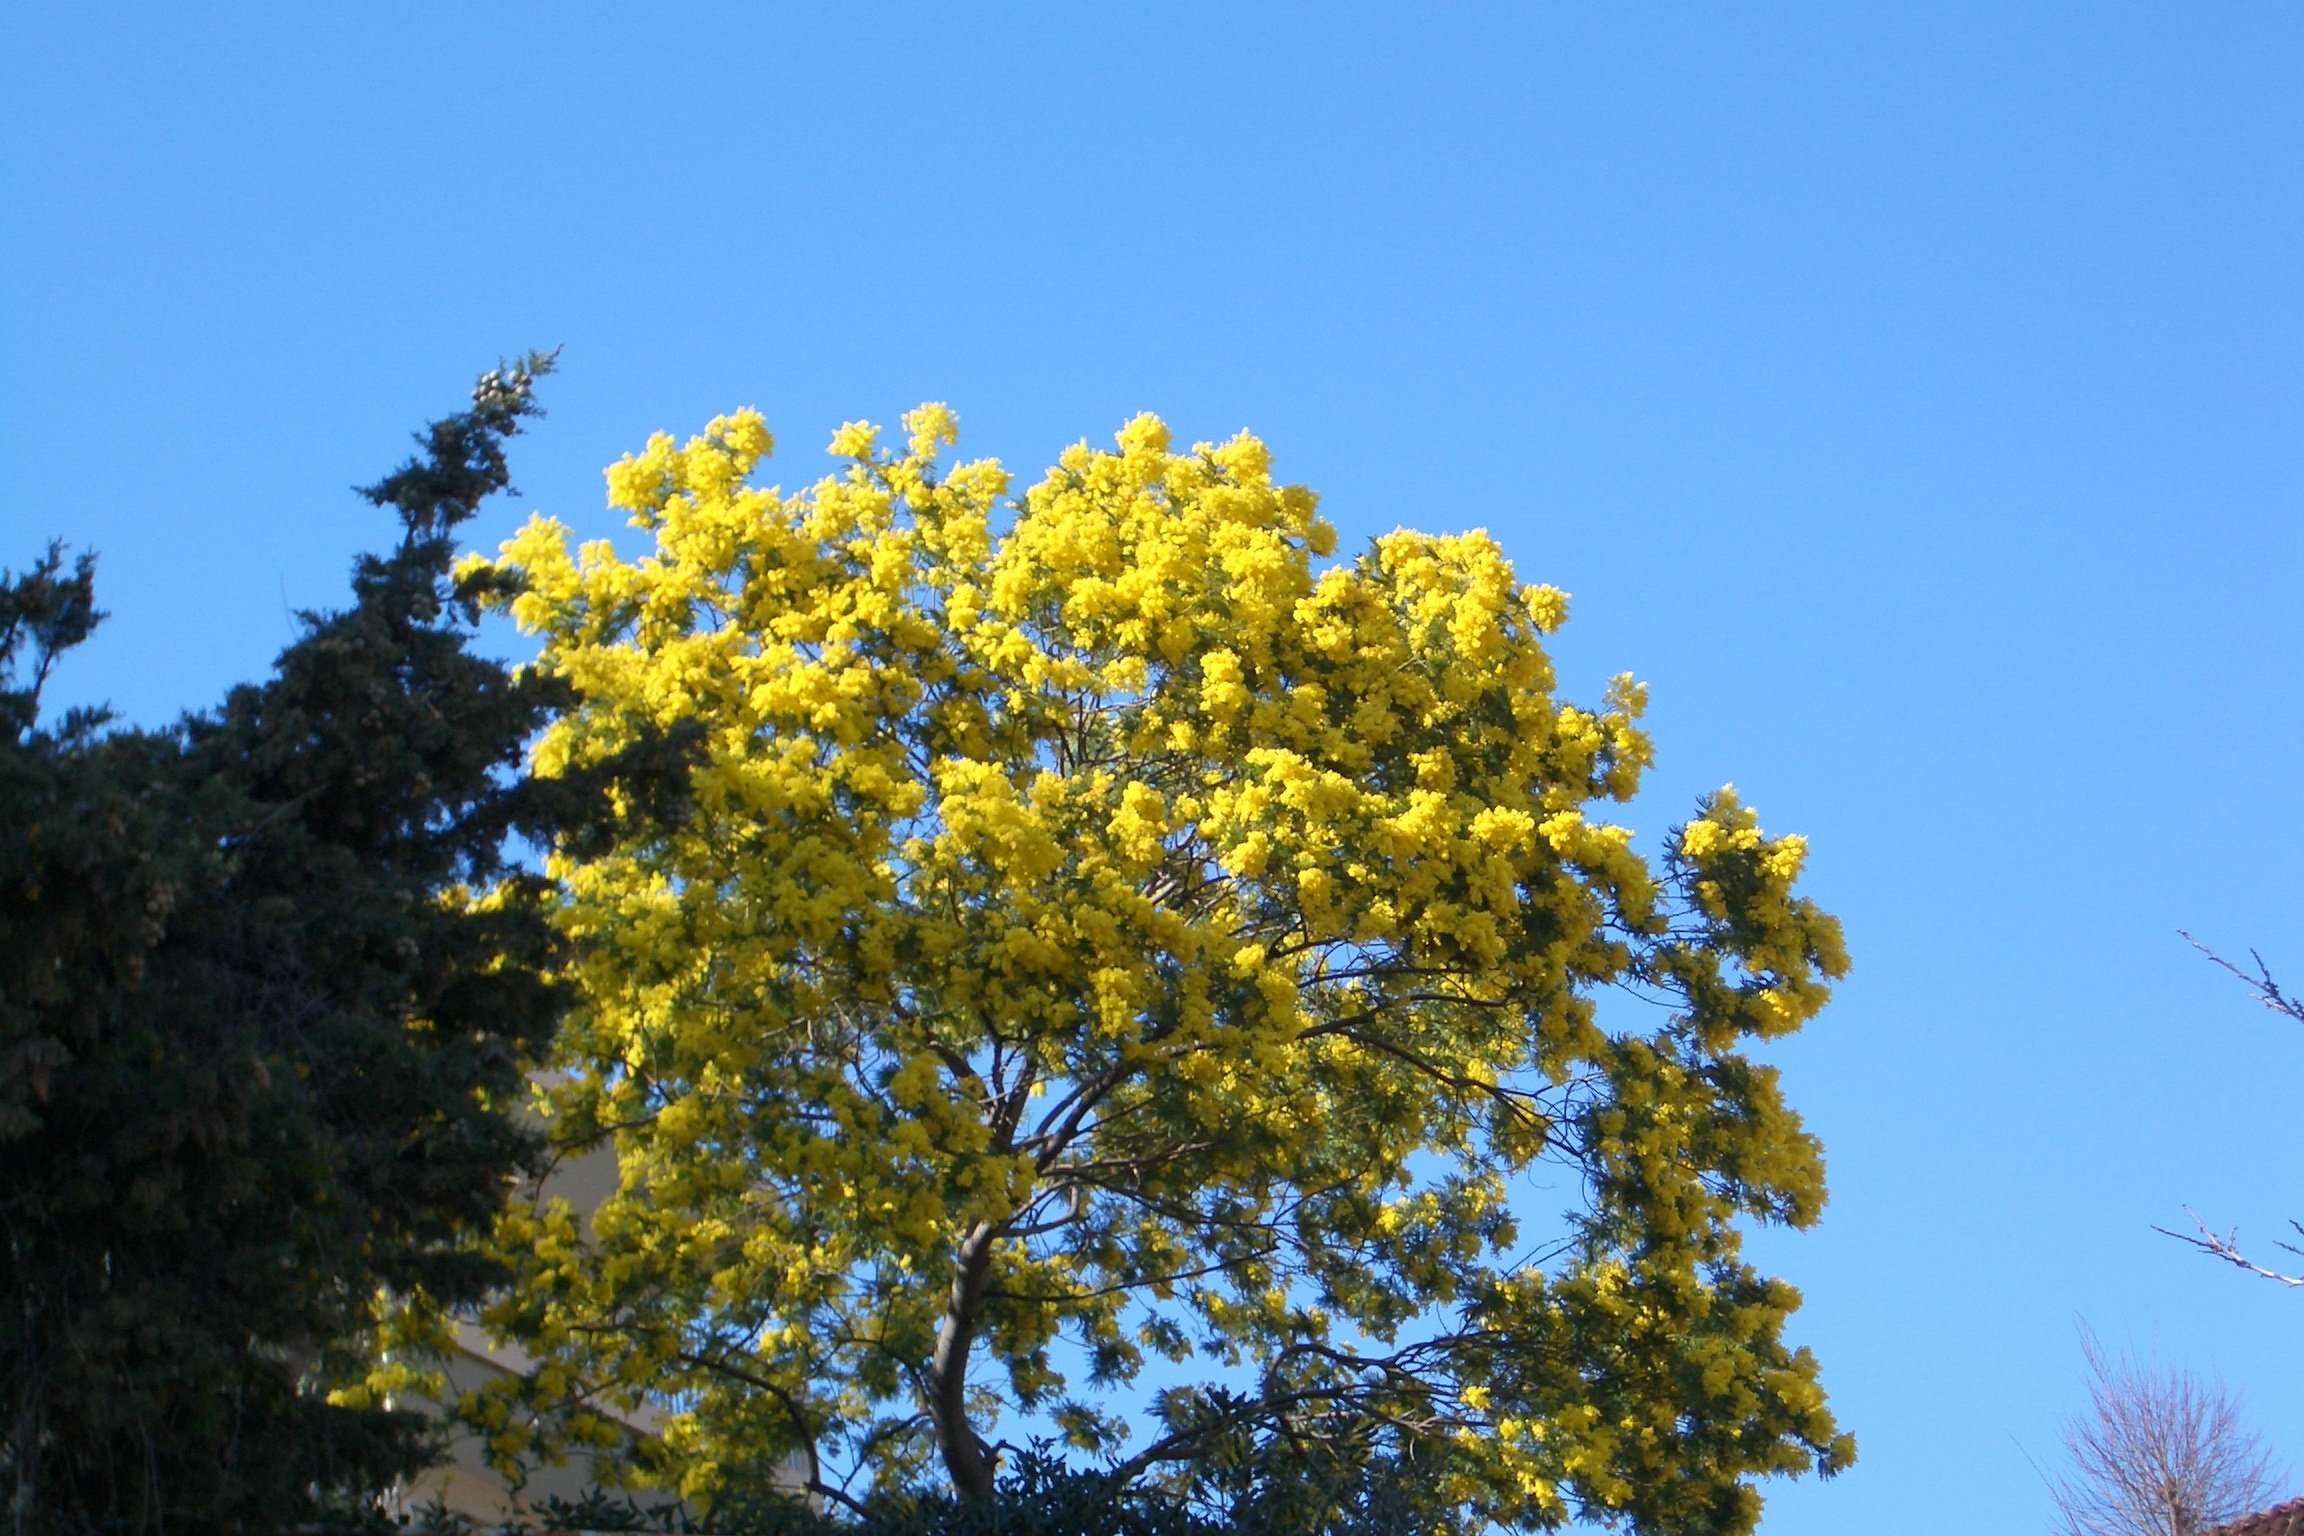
x=266, y=983
x=2158, y=1452
x=1112, y=941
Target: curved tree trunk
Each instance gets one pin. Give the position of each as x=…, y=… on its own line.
x=966, y=1456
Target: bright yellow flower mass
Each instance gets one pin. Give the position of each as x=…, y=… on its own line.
x=1106, y=926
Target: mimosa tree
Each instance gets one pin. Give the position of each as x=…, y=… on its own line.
x=1108, y=941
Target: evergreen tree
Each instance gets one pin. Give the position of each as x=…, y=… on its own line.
x=267, y=983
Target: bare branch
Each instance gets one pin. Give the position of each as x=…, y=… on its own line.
x=2266, y=989
x=2226, y=1246
x=2157, y=1453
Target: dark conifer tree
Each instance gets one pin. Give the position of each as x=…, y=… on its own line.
x=258, y=1056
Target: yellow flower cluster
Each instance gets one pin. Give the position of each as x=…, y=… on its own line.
x=1101, y=916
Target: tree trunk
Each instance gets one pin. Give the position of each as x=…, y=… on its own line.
x=966, y=1456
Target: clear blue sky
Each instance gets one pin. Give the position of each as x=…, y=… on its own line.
x=1914, y=395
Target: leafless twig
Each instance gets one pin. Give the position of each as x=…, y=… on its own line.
x=2266, y=989
x=2226, y=1246
x=2157, y=1453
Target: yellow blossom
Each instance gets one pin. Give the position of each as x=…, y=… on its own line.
x=1100, y=913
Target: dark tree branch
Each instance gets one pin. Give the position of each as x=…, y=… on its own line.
x=2226, y=1246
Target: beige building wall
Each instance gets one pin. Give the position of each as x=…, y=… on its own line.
x=466, y=1484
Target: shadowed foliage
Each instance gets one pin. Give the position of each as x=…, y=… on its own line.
x=267, y=983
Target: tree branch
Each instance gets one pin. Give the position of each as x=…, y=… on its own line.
x=2226, y=1246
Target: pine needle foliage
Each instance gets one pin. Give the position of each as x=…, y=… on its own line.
x=267, y=982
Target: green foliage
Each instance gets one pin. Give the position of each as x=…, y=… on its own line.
x=1040, y=1495
x=266, y=986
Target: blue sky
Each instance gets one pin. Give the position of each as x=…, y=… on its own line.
x=1911, y=394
